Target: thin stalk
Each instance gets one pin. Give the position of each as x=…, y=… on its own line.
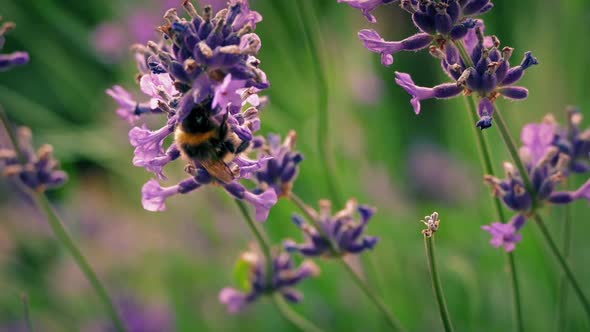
x=563, y=263
x=511, y=145
x=293, y=317
x=62, y=235
x=312, y=45
x=488, y=168
x=436, y=284
x=261, y=238
x=374, y=297
x=11, y=135
x=563, y=290
x=27, y=315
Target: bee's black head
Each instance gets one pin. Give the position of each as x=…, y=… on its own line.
x=199, y=119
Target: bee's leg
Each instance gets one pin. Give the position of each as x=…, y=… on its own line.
x=229, y=145
x=190, y=169
x=242, y=147
x=223, y=125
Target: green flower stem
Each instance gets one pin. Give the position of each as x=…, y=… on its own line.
x=261, y=238
x=288, y=314
x=370, y=293
x=12, y=136
x=27, y=315
x=563, y=263
x=62, y=235
x=563, y=290
x=511, y=145
x=309, y=24
x=436, y=284
x=296, y=319
x=60, y=232
x=487, y=166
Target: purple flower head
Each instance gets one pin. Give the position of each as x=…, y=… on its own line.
x=374, y=43
x=489, y=78
x=506, y=235
x=432, y=223
x=137, y=317
x=38, y=170
x=8, y=61
x=367, y=6
x=198, y=78
x=280, y=172
x=285, y=277
x=340, y=234
x=547, y=167
x=573, y=140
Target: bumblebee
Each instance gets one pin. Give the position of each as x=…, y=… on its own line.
x=205, y=142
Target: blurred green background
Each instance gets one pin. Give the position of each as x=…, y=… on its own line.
x=407, y=166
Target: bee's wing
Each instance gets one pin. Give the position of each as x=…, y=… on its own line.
x=218, y=169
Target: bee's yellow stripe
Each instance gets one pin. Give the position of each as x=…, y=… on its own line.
x=182, y=137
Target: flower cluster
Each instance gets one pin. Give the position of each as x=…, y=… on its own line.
x=339, y=234
x=7, y=61
x=572, y=140
x=547, y=167
x=486, y=73
x=285, y=276
x=281, y=171
x=475, y=62
x=201, y=77
x=37, y=170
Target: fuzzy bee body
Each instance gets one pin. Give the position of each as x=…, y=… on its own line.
x=211, y=145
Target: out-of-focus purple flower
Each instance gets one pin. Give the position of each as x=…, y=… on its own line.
x=547, y=167
x=200, y=76
x=340, y=234
x=285, y=277
x=434, y=173
x=506, y=235
x=138, y=318
x=367, y=6
x=374, y=43
x=280, y=172
x=573, y=140
x=38, y=171
x=8, y=61
x=491, y=77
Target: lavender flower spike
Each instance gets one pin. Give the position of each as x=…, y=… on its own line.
x=198, y=78
x=374, y=43
x=418, y=93
x=285, y=277
x=281, y=171
x=8, y=61
x=40, y=171
x=367, y=6
x=341, y=230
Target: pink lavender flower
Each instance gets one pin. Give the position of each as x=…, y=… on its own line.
x=8, y=61
x=491, y=77
x=374, y=43
x=285, y=277
x=547, y=167
x=506, y=235
x=205, y=65
x=39, y=170
x=340, y=234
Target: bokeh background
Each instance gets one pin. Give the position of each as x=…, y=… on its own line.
x=167, y=268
